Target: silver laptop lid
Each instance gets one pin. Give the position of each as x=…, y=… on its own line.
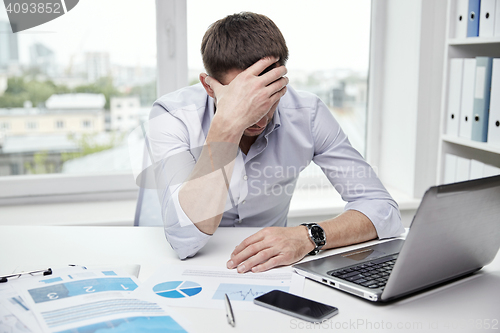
x=455, y=231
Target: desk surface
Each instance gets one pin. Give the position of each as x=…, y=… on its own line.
x=472, y=302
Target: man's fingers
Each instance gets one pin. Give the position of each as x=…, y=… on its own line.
x=248, y=252
x=277, y=85
x=257, y=237
x=271, y=263
x=236, y=257
x=262, y=64
x=276, y=97
x=257, y=259
x=274, y=74
x=212, y=83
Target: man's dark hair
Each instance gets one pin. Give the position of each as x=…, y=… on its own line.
x=240, y=40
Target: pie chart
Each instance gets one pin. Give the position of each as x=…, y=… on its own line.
x=177, y=289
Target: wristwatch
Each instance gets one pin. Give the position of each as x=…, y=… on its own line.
x=317, y=235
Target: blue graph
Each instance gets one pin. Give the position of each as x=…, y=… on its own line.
x=177, y=289
x=82, y=287
x=243, y=292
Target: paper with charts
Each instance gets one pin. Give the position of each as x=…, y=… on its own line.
x=204, y=286
x=93, y=301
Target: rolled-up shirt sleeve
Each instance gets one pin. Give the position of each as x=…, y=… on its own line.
x=352, y=176
x=173, y=162
x=184, y=237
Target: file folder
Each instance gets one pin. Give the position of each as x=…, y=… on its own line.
x=463, y=169
x=482, y=92
x=467, y=102
x=494, y=118
x=487, y=18
x=490, y=170
x=450, y=168
x=473, y=19
x=454, y=96
x=497, y=19
x=461, y=15
x=476, y=169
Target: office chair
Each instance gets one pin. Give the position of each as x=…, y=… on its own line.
x=148, y=210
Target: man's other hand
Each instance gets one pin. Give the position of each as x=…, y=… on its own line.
x=271, y=247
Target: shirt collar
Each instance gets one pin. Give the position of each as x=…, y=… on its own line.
x=274, y=124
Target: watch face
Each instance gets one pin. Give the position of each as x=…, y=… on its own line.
x=317, y=234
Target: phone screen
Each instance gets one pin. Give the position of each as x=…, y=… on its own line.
x=296, y=305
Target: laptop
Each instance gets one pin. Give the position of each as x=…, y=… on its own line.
x=455, y=231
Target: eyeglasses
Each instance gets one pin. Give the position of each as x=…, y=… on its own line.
x=42, y=272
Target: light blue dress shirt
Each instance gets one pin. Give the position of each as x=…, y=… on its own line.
x=262, y=183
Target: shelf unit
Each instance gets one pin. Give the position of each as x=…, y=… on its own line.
x=463, y=48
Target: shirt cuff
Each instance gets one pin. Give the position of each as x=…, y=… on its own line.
x=385, y=217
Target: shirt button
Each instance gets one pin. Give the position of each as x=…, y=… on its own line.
x=241, y=220
x=243, y=202
x=245, y=177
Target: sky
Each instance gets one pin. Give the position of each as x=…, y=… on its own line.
x=320, y=34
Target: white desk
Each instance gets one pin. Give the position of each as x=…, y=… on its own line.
x=456, y=305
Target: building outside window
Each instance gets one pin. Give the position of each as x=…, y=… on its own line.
x=64, y=73
x=31, y=125
x=86, y=124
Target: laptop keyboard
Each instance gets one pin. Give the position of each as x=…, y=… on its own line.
x=371, y=274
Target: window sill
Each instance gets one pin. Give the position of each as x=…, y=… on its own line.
x=99, y=213
x=306, y=205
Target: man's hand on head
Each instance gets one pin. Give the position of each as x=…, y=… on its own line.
x=271, y=247
x=249, y=97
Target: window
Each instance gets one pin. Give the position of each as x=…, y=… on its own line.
x=31, y=125
x=5, y=125
x=66, y=72
x=328, y=44
x=77, y=46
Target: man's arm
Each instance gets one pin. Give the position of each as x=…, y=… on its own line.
x=278, y=246
x=370, y=212
x=240, y=104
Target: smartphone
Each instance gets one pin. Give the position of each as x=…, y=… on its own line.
x=296, y=306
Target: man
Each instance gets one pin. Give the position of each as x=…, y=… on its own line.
x=231, y=150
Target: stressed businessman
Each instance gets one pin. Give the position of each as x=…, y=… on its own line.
x=229, y=152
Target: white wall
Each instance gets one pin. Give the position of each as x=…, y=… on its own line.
x=400, y=94
x=405, y=87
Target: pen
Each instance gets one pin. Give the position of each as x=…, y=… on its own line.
x=229, y=312
x=43, y=272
